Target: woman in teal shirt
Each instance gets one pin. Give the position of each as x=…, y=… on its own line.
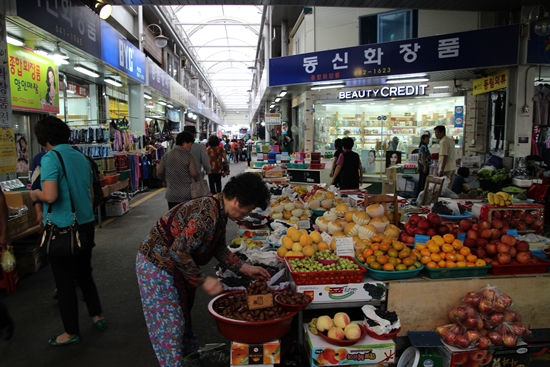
x=68, y=271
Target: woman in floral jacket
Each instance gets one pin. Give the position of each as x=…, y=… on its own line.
x=168, y=261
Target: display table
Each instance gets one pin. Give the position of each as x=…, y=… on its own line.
x=419, y=301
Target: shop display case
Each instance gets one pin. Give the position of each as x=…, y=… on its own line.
x=375, y=125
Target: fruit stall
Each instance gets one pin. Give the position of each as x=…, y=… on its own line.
x=470, y=274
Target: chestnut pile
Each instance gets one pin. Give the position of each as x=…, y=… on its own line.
x=289, y=297
x=483, y=321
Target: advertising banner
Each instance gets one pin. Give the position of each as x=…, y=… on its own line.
x=71, y=21
x=118, y=52
x=157, y=78
x=459, y=116
x=5, y=100
x=8, y=154
x=490, y=83
x=487, y=47
x=34, y=81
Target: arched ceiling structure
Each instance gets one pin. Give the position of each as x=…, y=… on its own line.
x=224, y=40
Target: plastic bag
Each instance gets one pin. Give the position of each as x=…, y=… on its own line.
x=212, y=355
x=491, y=300
x=8, y=260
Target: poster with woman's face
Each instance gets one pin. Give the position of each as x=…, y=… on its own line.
x=392, y=158
x=22, y=153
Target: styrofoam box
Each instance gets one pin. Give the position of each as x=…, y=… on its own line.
x=367, y=351
x=525, y=182
x=322, y=293
x=116, y=207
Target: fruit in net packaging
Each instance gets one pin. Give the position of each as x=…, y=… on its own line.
x=7, y=263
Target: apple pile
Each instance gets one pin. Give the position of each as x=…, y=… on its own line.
x=524, y=220
x=489, y=241
x=340, y=327
x=484, y=320
x=430, y=226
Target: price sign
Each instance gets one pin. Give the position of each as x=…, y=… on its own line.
x=304, y=224
x=258, y=301
x=326, y=237
x=344, y=246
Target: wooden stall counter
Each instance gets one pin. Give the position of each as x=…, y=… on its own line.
x=109, y=189
x=424, y=304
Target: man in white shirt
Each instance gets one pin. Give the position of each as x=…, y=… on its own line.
x=198, y=151
x=447, y=155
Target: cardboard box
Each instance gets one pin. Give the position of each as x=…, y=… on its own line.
x=16, y=199
x=367, y=351
x=391, y=173
x=255, y=234
x=322, y=293
x=256, y=354
x=29, y=259
x=388, y=186
x=18, y=225
x=116, y=207
x=494, y=357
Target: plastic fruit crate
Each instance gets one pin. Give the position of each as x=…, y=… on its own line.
x=296, y=165
x=112, y=179
x=468, y=272
x=511, y=269
x=391, y=275
x=317, y=166
x=327, y=277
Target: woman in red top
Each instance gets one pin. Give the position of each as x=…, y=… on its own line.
x=216, y=155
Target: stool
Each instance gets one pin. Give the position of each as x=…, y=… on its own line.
x=411, y=181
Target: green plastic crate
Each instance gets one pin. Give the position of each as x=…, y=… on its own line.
x=468, y=272
x=123, y=175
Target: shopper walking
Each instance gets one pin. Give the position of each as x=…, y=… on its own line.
x=339, y=150
x=198, y=151
x=168, y=261
x=177, y=167
x=235, y=150
x=53, y=134
x=348, y=167
x=447, y=155
x=6, y=322
x=424, y=163
x=216, y=153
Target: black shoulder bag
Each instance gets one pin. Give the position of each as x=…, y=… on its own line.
x=62, y=241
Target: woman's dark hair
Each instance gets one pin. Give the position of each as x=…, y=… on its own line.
x=464, y=172
x=347, y=143
x=48, y=79
x=249, y=189
x=422, y=137
x=338, y=144
x=22, y=139
x=213, y=141
x=184, y=137
x=52, y=130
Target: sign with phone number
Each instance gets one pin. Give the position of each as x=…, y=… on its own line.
x=453, y=51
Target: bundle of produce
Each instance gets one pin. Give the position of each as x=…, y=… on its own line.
x=484, y=320
x=381, y=322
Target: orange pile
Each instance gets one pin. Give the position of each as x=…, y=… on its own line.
x=385, y=253
x=447, y=252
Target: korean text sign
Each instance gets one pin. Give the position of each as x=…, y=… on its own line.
x=157, y=78
x=118, y=52
x=34, y=81
x=499, y=46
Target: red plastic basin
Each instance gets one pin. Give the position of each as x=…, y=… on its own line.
x=255, y=332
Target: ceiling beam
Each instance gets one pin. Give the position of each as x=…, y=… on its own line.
x=220, y=23
x=224, y=46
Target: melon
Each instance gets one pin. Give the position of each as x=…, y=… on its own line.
x=298, y=204
x=297, y=212
x=277, y=208
x=334, y=227
x=314, y=204
x=289, y=207
x=351, y=229
x=277, y=215
x=326, y=204
x=330, y=215
x=366, y=231
x=348, y=216
x=379, y=224
x=360, y=217
x=341, y=209
x=329, y=195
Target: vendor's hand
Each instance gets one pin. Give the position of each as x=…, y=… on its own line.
x=331, y=174
x=212, y=286
x=440, y=173
x=254, y=271
x=5, y=241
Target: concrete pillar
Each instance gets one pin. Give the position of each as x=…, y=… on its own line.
x=284, y=38
x=520, y=110
x=136, y=108
x=6, y=120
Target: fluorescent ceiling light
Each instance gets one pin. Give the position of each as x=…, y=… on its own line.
x=147, y=96
x=272, y=106
x=278, y=99
x=41, y=51
x=407, y=76
x=86, y=71
x=69, y=91
x=112, y=81
x=161, y=102
x=443, y=87
x=327, y=86
x=415, y=80
x=283, y=93
x=13, y=40
x=169, y=105
x=61, y=62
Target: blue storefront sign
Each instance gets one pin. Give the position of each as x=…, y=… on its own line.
x=118, y=52
x=157, y=78
x=497, y=46
x=538, y=48
x=70, y=21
